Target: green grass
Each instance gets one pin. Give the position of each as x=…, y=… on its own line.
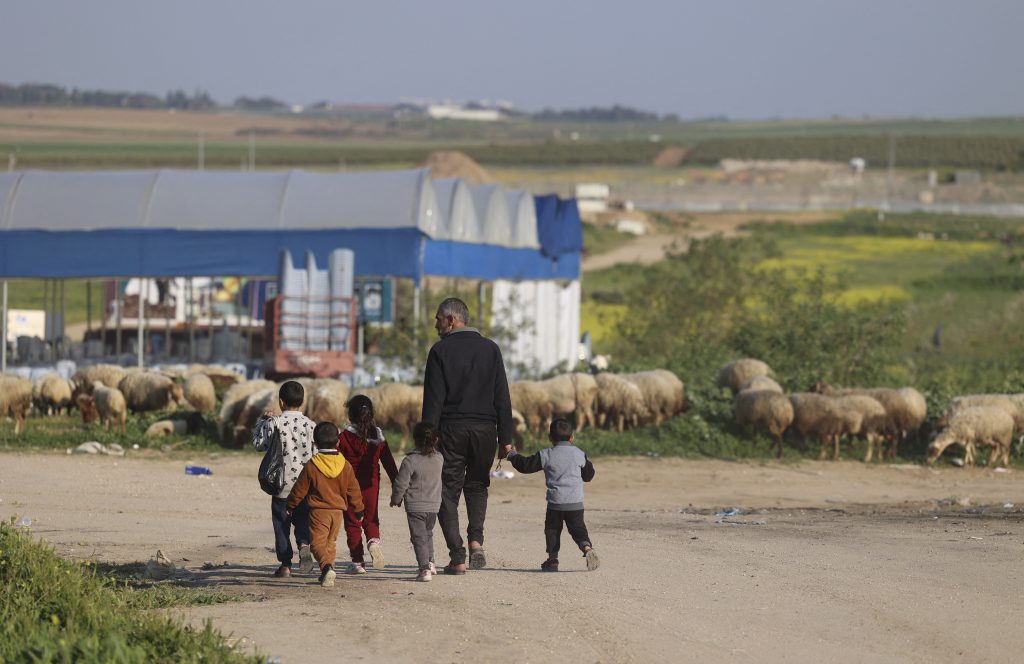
x=68, y=431
x=599, y=239
x=52, y=610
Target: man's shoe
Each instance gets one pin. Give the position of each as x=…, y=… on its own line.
x=356, y=568
x=305, y=559
x=549, y=565
x=593, y=562
x=456, y=569
x=477, y=558
x=376, y=554
x=283, y=571
x=327, y=577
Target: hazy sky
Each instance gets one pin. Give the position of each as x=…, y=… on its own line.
x=741, y=58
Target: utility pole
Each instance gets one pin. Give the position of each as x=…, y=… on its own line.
x=252, y=150
x=3, y=331
x=201, y=156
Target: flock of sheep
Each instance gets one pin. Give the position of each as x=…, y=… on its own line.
x=883, y=417
x=879, y=415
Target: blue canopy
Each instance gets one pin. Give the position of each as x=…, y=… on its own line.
x=173, y=224
x=559, y=230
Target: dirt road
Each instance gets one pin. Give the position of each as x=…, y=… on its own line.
x=648, y=249
x=826, y=562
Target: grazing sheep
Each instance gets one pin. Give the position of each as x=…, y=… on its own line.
x=252, y=408
x=110, y=405
x=192, y=425
x=518, y=427
x=15, y=399
x=223, y=379
x=970, y=427
x=233, y=403
x=109, y=374
x=87, y=405
x=762, y=384
x=200, y=392
x=396, y=406
x=819, y=417
x=658, y=393
x=619, y=402
x=904, y=414
x=52, y=394
x=325, y=401
x=146, y=390
x=572, y=396
x=734, y=374
x=533, y=401
x=1013, y=405
x=865, y=416
x=765, y=410
x=678, y=389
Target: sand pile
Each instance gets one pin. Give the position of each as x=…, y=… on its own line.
x=456, y=164
x=672, y=156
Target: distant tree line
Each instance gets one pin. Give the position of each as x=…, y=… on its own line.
x=603, y=114
x=36, y=94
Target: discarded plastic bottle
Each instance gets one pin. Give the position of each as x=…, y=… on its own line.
x=198, y=470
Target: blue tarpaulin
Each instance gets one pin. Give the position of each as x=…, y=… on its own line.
x=558, y=226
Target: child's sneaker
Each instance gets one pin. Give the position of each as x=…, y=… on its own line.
x=356, y=568
x=432, y=567
x=593, y=562
x=305, y=559
x=327, y=577
x=376, y=554
x=549, y=565
x=425, y=574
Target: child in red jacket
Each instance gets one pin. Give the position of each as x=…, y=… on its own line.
x=362, y=444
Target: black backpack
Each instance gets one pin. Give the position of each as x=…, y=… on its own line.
x=271, y=473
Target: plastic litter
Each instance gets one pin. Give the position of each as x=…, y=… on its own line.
x=723, y=522
x=1000, y=470
x=975, y=510
x=732, y=511
x=957, y=462
x=1007, y=506
x=503, y=474
x=94, y=447
x=24, y=522
x=197, y=470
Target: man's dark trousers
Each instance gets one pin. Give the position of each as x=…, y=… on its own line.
x=468, y=450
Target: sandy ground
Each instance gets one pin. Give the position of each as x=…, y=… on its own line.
x=648, y=249
x=836, y=561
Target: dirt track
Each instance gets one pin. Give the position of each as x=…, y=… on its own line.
x=834, y=562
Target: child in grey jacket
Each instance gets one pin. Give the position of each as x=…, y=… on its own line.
x=418, y=485
x=565, y=468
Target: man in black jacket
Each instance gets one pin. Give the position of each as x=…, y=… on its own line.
x=465, y=395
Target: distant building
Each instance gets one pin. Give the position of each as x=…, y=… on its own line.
x=455, y=112
x=592, y=196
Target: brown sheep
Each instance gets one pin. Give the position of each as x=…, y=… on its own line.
x=765, y=410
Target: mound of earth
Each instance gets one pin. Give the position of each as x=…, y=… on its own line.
x=456, y=165
x=672, y=156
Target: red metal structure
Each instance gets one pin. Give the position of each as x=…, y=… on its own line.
x=324, y=348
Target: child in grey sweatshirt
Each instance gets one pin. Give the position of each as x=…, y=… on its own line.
x=418, y=485
x=565, y=468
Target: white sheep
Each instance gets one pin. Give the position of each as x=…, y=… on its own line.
x=531, y=399
x=734, y=374
x=52, y=394
x=110, y=375
x=659, y=394
x=765, y=410
x=325, y=401
x=973, y=426
x=200, y=392
x=762, y=384
x=396, y=406
x=146, y=391
x=819, y=417
x=110, y=404
x=233, y=403
x=865, y=416
x=619, y=402
x=15, y=399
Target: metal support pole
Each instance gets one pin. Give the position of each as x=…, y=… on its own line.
x=481, y=293
x=118, y=319
x=416, y=313
x=141, y=350
x=88, y=307
x=3, y=331
x=62, y=309
x=190, y=313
